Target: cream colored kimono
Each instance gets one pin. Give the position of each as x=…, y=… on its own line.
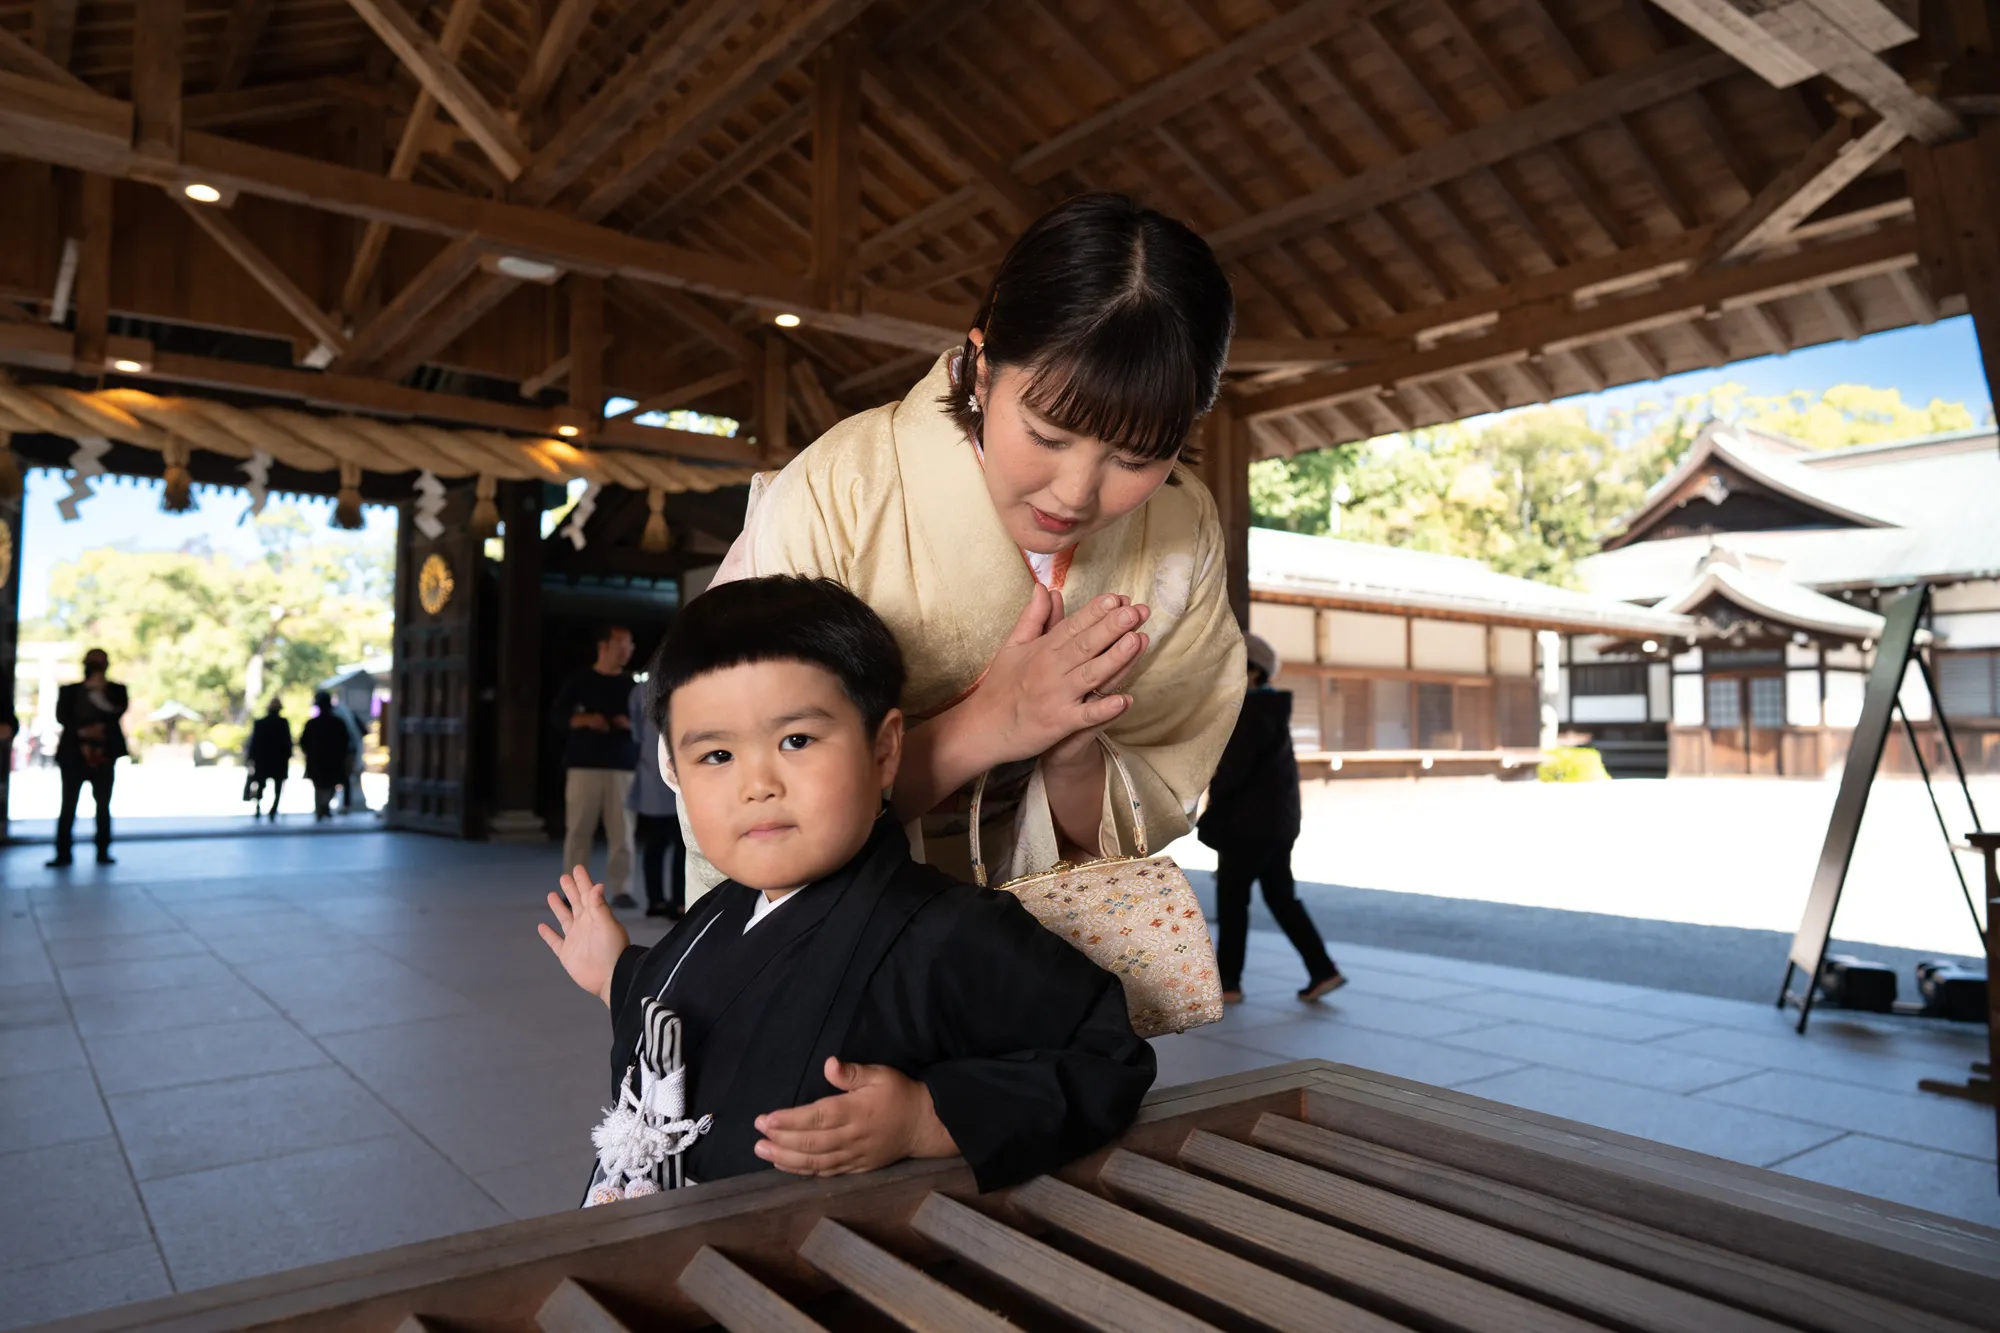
x=891, y=503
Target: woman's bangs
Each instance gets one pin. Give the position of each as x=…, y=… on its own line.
x=1132, y=393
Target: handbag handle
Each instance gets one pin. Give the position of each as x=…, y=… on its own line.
x=1124, y=778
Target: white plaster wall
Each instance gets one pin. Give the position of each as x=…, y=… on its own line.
x=1448, y=645
x=1659, y=692
x=1608, y=708
x=1587, y=647
x=1801, y=655
x=1361, y=638
x=1916, y=700
x=1844, y=693
x=1971, y=629
x=1688, y=703
x=1802, y=702
x=1848, y=657
x=1287, y=628
x=1513, y=652
x=1688, y=661
x=1980, y=595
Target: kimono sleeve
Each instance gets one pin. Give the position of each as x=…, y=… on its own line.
x=1041, y=1065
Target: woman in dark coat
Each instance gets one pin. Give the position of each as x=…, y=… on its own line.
x=270, y=756
x=326, y=744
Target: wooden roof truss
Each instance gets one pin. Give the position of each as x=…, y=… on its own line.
x=1430, y=208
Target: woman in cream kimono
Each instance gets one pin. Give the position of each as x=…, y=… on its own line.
x=1022, y=522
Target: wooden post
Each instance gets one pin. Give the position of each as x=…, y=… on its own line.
x=93, y=275
x=1225, y=469
x=772, y=427
x=517, y=706
x=158, y=30
x=1956, y=190
x=586, y=346
x=836, y=199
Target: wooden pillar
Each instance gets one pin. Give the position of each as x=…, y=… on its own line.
x=518, y=724
x=435, y=745
x=586, y=345
x=1956, y=190
x=836, y=196
x=159, y=27
x=93, y=274
x=772, y=427
x=10, y=601
x=1225, y=470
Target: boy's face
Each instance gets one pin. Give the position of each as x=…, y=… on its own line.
x=780, y=780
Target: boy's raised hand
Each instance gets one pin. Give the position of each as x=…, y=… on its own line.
x=591, y=938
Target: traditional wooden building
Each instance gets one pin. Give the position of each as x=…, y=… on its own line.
x=1407, y=663
x=406, y=250
x=1782, y=556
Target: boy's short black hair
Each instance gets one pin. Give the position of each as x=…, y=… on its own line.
x=785, y=618
x=608, y=630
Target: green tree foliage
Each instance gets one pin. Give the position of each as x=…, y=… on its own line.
x=188, y=625
x=1532, y=492
x=1529, y=494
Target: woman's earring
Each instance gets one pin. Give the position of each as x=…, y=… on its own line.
x=972, y=403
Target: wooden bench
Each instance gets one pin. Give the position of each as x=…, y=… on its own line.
x=1310, y=1196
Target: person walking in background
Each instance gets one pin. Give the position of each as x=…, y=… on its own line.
x=352, y=799
x=1252, y=821
x=91, y=745
x=324, y=741
x=593, y=709
x=656, y=818
x=270, y=757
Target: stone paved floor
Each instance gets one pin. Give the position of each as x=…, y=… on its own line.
x=223, y=1058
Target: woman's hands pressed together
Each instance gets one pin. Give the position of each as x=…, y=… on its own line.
x=591, y=938
x=879, y=1116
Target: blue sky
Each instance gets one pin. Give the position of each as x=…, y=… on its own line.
x=1938, y=361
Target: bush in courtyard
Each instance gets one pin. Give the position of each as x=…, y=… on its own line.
x=1572, y=764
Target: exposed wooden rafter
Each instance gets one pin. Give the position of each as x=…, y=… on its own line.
x=1834, y=161
x=240, y=36
x=439, y=74
x=552, y=53
x=266, y=274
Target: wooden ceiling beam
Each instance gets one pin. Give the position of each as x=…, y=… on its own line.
x=552, y=53
x=55, y=29
x=31, y=62
x=451, y=317
x=375, y=235
x=159, y=30
x=655, y=147
x=933, y=104
x=836, y=168
x=769, y=140
x=264, y=272
x=1764, y=322
x=1569, y=112
x=1792, y=40
x=419, y=296
x=686, y=395
x=241, y=35
x=1557, y=328
x=440, y=75
x=1834, y=161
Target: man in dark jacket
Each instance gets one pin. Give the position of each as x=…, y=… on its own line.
x=325, y=743
x=270, y=756
x=593, y=710
x=1252, y=821
x=88, y=751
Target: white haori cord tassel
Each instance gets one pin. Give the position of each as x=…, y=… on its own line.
x=641, y=1132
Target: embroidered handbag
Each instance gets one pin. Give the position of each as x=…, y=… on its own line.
x=1134, y=916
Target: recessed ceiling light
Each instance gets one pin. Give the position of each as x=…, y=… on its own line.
x=128, y=365
x=786, y=321
x=567, y=432
x=202, y=194
x=528, y=270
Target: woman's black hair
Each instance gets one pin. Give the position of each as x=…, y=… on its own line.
x=1122, y=317
x=785, y=618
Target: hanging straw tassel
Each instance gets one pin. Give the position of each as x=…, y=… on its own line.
x=10, y=469
x=347, y=508
x=657, y=537
x=180, y=483
x=485, y=513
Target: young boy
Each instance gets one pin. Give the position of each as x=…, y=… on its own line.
x=837, y=1007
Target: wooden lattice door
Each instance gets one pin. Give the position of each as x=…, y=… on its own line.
x=432, y=742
